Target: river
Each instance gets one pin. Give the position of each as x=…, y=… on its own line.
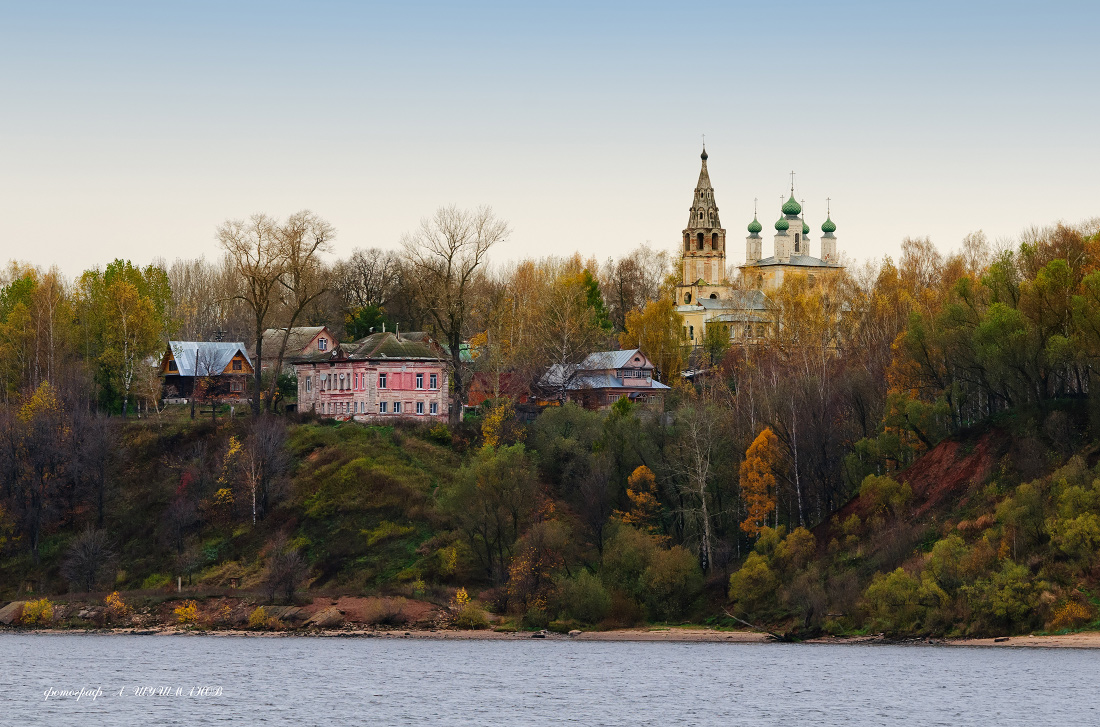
x=215, y=680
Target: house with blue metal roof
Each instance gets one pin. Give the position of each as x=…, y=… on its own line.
x=603, y=378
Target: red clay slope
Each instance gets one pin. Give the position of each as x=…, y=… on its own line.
x=941, y=475
x=951, y=467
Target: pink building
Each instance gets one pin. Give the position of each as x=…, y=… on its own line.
x=375, y=378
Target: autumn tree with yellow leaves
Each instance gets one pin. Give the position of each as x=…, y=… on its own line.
x=758, y=481
x=645, y=507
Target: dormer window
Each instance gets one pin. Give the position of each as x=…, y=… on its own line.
x=322, y=344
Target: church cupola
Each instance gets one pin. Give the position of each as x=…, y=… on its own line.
x=754, y=244
x=791, y=206
x=828, y=239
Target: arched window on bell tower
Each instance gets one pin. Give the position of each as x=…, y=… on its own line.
x=699, y=239
x=714, y=240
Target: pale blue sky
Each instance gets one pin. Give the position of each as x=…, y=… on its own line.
x=133, y=129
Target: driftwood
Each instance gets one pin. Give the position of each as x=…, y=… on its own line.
x=785, y=638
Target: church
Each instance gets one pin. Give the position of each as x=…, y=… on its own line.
x=706, y=296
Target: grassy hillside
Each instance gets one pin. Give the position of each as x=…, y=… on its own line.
x=993, y=531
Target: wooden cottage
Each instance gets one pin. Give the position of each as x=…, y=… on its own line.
x=224, y=369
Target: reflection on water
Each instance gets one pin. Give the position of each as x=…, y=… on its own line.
x=205, y=680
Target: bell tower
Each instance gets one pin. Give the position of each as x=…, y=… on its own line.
x=703, y=252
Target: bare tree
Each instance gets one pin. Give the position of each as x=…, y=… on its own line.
x=302, y=239
x=258, y=260
x=266, y=461
x=443, y=255
x=693, y=462
x=90, y=561
x=285, y=569
x=368, y=277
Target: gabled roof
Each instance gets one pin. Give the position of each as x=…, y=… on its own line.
x=601, y=360
x=204, y=358
x=299, y=338
x=417, y=346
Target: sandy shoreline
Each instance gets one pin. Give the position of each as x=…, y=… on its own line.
x=1087, y=640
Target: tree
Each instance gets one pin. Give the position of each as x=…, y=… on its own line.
x=571, y=323
x=632, y=281
x=716, y=341
x=302, y=239
x=265, y=463
x=659, y=331
x=693, y=457
x=645, y=509
x=257, y=258
x=492, y=501
x=39, y=437
x=443, y=255
x=124, y=312
x=368, y=279
x=90, y=561
x=758, y=481
x=285, y=569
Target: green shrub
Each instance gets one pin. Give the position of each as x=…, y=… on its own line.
x=768, y=540
x=1006, y=602
x=1077, y=537
x=261, y=619
x=626, y=556
x=945, y=562
x=752, y=586
x=471, y=617
x=884, y=495
x=156, y=581
x=583, y=598
x=899, y=603
x=796, y=550
x=673, y=580
x=440, y=433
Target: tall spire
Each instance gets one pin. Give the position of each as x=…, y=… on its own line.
x=704, y=210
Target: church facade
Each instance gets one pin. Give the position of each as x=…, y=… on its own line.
x=707, y=297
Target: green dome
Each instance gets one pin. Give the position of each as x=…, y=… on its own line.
x=782, y=224
x=755, y=227
x=805, y=228
x=828, y=225
x=792, y=207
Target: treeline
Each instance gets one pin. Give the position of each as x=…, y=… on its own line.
x=94, y=338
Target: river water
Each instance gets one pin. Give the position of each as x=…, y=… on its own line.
x=147, y=680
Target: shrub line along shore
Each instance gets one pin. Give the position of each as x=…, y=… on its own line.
x=1083, y=640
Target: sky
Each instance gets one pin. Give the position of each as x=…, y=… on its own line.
x=132, y=130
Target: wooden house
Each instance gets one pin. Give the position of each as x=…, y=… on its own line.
x=602, y=379
x=223, y=368
x=300, y=341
